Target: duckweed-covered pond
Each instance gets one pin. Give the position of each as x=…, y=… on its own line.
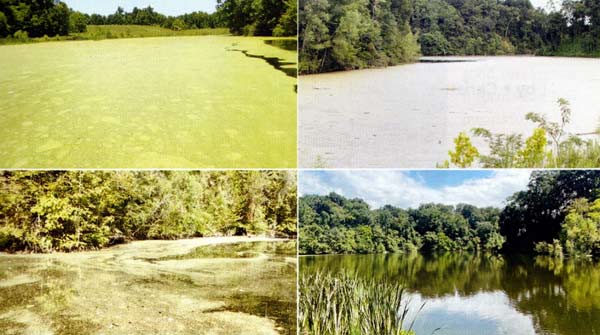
x=196, y=102
x=153, y=287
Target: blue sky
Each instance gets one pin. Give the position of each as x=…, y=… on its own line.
x=441, y=178
x=411, y=188
x=167, y=7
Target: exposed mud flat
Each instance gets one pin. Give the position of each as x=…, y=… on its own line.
x=230, y=285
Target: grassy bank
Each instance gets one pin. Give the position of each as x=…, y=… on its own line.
x=345, y=305
x=118, y=31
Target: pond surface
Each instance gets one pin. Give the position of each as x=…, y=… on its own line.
x=407, y=116
x=153, y=287
x=166, y=102
x=466, y=294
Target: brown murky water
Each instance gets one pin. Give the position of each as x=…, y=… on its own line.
x=408, y=116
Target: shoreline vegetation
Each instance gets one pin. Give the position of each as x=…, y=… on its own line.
x=362, y=34
x=550, y=146
x=345, y=305
x=48, y=211
x=47, y=20
x=557, y=215
x=104, y=32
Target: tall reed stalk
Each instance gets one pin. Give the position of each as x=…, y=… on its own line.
x=347, y=305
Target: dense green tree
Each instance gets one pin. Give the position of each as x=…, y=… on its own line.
x=538, y=213
x=258, y=17
x=58, y=210
x=77, y=22
x=353, y=34
x=580, y=233
x=557, y=214
x=335, y=224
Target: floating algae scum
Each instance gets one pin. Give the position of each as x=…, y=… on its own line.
x=408, y=116
x=198, y=286
x=184, y=102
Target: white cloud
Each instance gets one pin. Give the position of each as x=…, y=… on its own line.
x=381, y=187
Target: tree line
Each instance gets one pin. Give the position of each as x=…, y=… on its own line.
x=558, y=214
x=352, y=34
x=335, y=224
x=496, y=27
x=38, y=18
x=355, y=34
x=44, y=211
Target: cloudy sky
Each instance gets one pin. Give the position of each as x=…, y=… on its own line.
x=541, y=3
x=411, y=188
x=168, y=7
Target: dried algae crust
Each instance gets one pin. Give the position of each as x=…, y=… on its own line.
x=143, y=288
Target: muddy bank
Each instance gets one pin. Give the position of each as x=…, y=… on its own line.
x=230, y=285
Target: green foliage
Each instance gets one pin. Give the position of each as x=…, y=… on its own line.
x=36, y=18
x=554, y=249
x=47, y=211
x=464, y=153
x=288, y=22
x=51, y=18
x=534, y=152
x=580, y=233
x=21, y=36
x=539, y=213
x=4, y=27
x=178, y=25
x=545, y=148
x=335, y=225
x=344, y=305
x=94, y=32
x=77, y=22
x=259, y=17
x=558, y=213
x=449, y=27
x=504, y=149
x=355, y=34
x=148, y=17
x=434, y=44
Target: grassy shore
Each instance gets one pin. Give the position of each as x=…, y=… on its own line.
x=118, y=31
x=345, y=305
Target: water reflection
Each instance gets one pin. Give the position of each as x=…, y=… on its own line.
x=289, y=68
x=484, y=294
x=285, y=44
